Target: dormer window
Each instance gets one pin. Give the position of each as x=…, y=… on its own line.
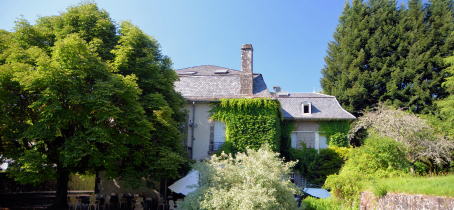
x=306, y=107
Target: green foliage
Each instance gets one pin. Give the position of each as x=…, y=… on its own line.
x=305, y=156
x=80, y=93
x=81, y=182
x=339, y=140
x=316, y=166
x=346, y=185
x=343, y=152
x=446, y=122
x=379, y=157
x=287, y=127
x=249, y=122
x=383, y=52
x=326, y=162
x=311, y=203
x=378, y=188
x=252, y=180
x=335, y=129
x=441, y=123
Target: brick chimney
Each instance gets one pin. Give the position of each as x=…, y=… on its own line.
x=246, y=78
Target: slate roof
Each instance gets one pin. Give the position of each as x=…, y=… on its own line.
x=204, y=84
x=322, y=107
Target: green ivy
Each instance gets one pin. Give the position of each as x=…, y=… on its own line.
x=286, y=140
x=249, y=123
x=329, y=128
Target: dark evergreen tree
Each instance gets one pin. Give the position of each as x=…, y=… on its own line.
x=382, y=52
x=441, y=45
x=411, y=53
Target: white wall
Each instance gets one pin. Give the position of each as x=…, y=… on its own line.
x=201, y=129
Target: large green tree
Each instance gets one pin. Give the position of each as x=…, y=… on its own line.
x=382, y=52
x=444, y=120
x=80, y=94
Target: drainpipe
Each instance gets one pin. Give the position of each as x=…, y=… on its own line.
x=192, y=130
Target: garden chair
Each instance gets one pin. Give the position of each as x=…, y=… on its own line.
x=122, y=200
x=137, y=206
x=73, y=201
x=146, y=205
x=93, y=202
x=106, y=202
x=138, y=200
x=161, y=202
x=171, y=205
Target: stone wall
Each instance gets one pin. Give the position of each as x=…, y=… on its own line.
x=404, y=201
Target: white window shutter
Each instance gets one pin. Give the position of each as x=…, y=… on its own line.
x=294, y=140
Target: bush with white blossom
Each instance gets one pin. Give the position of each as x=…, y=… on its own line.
x=251, y=180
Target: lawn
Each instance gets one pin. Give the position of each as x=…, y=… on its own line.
x=440, y=185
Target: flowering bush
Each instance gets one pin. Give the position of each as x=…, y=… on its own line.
x=251, y=180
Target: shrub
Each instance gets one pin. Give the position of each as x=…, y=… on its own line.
x=379, y=157
x=305, y=156
x=339, y=139
x=326, y=162
x=317, y=166
x=346, y=185
x=252, y=180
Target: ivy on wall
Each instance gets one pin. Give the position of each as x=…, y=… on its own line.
x=330, y=128
x=249, y=123
x=287, y=128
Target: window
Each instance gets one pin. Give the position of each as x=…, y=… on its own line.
x=294, y=140
x=306, y=107
x=320, y=141
x=219, y=134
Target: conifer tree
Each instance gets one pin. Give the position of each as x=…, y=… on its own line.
x=398, y=59
x=362, y=54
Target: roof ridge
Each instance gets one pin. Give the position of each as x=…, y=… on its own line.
x=320, y=95
x=205, y=65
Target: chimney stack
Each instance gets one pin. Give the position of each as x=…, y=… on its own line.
x=246, y=78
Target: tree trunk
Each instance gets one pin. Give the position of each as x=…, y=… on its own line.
x=61, y=197
x=412, y=166
x=430, y=164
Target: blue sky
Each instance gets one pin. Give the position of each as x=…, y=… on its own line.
x=289, y=37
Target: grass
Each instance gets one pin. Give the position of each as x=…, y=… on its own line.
x=434, y=185
x=438, y=185
x=311, y=203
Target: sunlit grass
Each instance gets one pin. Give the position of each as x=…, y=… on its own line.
x=311, y=203
x=435, y=185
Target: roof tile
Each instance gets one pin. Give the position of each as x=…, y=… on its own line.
x=206, y=85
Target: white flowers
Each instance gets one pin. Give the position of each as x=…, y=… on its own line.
x=249, y=181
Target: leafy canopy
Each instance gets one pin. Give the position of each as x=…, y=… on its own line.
x=79, y=93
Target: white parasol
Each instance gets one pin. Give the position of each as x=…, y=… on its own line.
x=183, y=185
